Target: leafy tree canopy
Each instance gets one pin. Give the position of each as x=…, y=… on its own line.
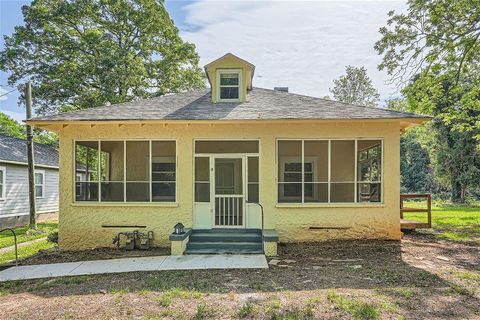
x=86, y=53
x=10, y=127
x=355, y=87
x=431, y=36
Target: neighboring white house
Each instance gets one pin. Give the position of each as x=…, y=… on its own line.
x=14, y=204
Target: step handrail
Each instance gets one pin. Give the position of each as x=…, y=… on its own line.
x=261, y=210
x=15, y=239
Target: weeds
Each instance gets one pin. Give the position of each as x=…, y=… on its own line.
x=203, y=312
x=167, y=297
x=247, y=310
x=359, y=310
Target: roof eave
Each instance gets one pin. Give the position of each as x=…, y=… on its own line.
x=46, y=123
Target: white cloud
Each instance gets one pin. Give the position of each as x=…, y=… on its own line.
x=302, y=45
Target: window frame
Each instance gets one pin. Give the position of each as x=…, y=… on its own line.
x=124, y=181
x=303, y=160
x=42, y=172
x=239, y=86
x=356, y=181
x=3, y=182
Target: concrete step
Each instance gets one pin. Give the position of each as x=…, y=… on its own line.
x=225, y=237
x=223, y=251
x=218, y=241
x=224, y=245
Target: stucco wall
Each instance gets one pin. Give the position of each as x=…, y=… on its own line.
x=81, y=223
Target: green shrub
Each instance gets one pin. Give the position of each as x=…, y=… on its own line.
x=53, y=237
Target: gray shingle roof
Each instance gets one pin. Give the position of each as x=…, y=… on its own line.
x=262, y=104
x=15, y=150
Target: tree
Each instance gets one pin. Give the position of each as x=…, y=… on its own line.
x=86, y=53
x=433, y=50
x=456, y=149
x=355, y=87
x=10, y=127
x=433, y=41
x=435, y=34
x=417, y=174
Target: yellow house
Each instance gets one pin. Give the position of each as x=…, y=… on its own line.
x=211, y=159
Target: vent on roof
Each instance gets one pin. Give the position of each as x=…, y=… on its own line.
x=281, y=89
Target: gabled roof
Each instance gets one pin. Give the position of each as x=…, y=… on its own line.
x=261, y=104
x=231, y=57
x=14, y=150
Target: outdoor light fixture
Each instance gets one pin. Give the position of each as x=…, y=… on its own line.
x=179, y=228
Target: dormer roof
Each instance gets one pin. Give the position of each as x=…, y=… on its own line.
x=230, y=61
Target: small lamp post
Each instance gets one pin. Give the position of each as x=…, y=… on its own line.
x=179, y=228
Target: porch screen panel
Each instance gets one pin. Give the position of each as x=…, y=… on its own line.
x=342, y=183
x=163, y=171
x=86, y=171
x=253, y=180
x=202, y=179
x=137, y=167
x=315, y=171
x=369, y=170
x=112, y=170
x=224, y=146
x=290, y=171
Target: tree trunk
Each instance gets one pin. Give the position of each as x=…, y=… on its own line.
x=457, y=192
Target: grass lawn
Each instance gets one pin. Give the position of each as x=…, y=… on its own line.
x=453, y=222
x=28, y=250
x=25, y=251
x=6, y=237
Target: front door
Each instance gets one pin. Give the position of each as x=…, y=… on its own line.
x=229, y=192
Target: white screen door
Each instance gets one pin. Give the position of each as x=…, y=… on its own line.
x=229, y=192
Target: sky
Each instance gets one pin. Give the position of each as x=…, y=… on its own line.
x=302, y=45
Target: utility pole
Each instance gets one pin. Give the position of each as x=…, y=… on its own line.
x=31, y=160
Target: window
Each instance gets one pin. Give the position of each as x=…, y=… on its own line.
x=111, y=170
x=39, y=184
x=229, y=82
x=125, y=171
x=253, y=179
x=329, y=171
x=202, y=179
x=86, y=168
x=3, y=174
x=164, y=171
x=369, y=171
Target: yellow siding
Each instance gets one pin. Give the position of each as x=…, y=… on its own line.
x=81, y=223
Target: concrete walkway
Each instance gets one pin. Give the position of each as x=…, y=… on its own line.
x=187, y=262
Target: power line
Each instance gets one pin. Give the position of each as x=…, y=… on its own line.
x=4, y=94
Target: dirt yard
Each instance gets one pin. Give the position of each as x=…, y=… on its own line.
x=419, y=278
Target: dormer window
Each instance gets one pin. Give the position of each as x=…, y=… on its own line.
x=229, y=85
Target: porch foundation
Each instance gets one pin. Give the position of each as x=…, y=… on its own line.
x=270, y=240
x=179, y=242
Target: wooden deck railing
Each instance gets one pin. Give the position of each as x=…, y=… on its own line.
x=416, y=224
